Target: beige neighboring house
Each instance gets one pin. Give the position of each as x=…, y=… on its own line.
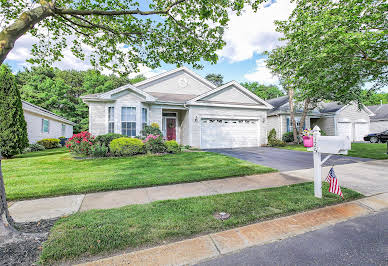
x=188, y=109
x=333, y=118
x=43, y=124
x=379, y=122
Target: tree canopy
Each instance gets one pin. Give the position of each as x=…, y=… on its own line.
x=263, y=91
x=59, y=90
x=216, y=79
x=333, y=48
x=120, y=35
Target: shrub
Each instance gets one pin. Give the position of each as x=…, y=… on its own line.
x=154, y=144
x=81, y=143
x=288, y=137
x=323, y=133
x=126, y=146
x=13, y=126
x=106, y=139
x=153, y=129
x=273, y=141
x=99, y=150
x=49, y=143
x=173, y=146
x=34, y=147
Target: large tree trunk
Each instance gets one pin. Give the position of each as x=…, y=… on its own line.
x=304, y=114
x=7, y=224
x=24, y=23
x=292, y=113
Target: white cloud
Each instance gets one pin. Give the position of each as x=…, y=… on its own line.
x=262, y=74
x=254, y=32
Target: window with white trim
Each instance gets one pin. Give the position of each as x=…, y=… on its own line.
x=144, y=117
x=63, y=130
x=111, y=119
x=45, y=126
x=128, y=121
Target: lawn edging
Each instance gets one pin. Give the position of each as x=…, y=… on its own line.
x=140, y=226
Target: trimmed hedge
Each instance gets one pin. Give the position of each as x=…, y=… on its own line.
x=49, y=143
x=172, y=146
x=126, y=146
x=106, y=139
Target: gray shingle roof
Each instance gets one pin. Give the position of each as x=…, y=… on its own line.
x=380, y=111
x=278, y=102
x=331, y=107
x=172, y=97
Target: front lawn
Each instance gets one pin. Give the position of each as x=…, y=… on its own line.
x=376, y=151
x=105, y=231
x=56, y=172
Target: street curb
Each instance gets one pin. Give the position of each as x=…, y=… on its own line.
x=206, y=247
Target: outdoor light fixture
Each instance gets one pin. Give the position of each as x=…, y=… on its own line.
x=196, y=118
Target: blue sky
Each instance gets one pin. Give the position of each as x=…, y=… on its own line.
x=247, y=37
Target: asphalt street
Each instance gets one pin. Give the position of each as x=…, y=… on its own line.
x=283, y=160
x=361, y=241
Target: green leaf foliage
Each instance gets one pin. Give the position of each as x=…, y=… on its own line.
x=333, y=49
x=13, y=133
x=263, y=91
x=59, y=91
x=216, y=79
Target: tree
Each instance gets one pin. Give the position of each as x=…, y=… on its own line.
x=59, y=90
x=119, y=35
x=13, y=135
x=372, y=98
x=263, y=91
x=333, y=48
x=216, y=79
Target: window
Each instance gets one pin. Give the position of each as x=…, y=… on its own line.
x=63, y=130
x=45, y=125
x=111, y=119
x=144, y=117
x=128, y=121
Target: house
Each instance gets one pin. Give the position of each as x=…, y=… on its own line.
x=42, y=124
x=189, y=109
x=333, y=118
x=379, y=122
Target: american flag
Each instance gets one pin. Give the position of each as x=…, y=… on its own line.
x=333, y=181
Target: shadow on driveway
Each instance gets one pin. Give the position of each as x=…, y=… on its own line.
x=283, y=160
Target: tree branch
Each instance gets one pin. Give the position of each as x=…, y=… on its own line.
x=117, y=12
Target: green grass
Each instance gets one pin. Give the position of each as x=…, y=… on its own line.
x=376, y=151
x=105, y=231
x=55, y=172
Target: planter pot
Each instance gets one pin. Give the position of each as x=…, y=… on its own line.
x=308, y=141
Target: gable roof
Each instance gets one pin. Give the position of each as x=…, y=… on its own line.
x=41, y=111
x=380, y=111
x=331, y=107
x=278, y=102
x=239, y=87
x=167, y=73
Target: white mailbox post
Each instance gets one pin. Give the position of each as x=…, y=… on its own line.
x=325, y=144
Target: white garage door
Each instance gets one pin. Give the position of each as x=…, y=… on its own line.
x=229, y=133
x=360, y=130
x=345, y=129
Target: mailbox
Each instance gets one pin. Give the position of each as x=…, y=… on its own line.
x=333, y=144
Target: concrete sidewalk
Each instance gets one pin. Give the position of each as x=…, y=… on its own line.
x=368, y=178
x=191, y=251
x=46, y=208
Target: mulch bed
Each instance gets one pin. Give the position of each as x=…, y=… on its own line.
x=25, y=250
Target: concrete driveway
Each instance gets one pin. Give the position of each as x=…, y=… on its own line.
x=283, y=160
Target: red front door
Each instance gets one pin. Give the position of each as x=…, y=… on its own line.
x=171, y=128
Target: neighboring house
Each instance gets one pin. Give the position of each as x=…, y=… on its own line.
x=334, y=119
x=42, y=124
x=379, y=122
x=188, y=109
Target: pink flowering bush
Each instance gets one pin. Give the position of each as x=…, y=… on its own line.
x=81, y=143
x=154, y=144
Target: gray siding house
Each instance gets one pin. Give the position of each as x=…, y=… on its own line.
x=379, y=122
x=43, y=124
x=335, y=119
x=187, y=107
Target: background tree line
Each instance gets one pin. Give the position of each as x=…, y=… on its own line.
x=59, y=91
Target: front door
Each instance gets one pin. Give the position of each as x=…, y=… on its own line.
x=171, y=128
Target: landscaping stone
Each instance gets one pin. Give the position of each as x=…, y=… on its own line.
x=46, y=208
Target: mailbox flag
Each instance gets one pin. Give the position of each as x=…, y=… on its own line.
x=333, y=181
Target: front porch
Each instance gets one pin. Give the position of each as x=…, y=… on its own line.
x=175, y=125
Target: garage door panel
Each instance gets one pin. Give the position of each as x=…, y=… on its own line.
x=228, y=133
x=360, y=130
x=345, y=129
